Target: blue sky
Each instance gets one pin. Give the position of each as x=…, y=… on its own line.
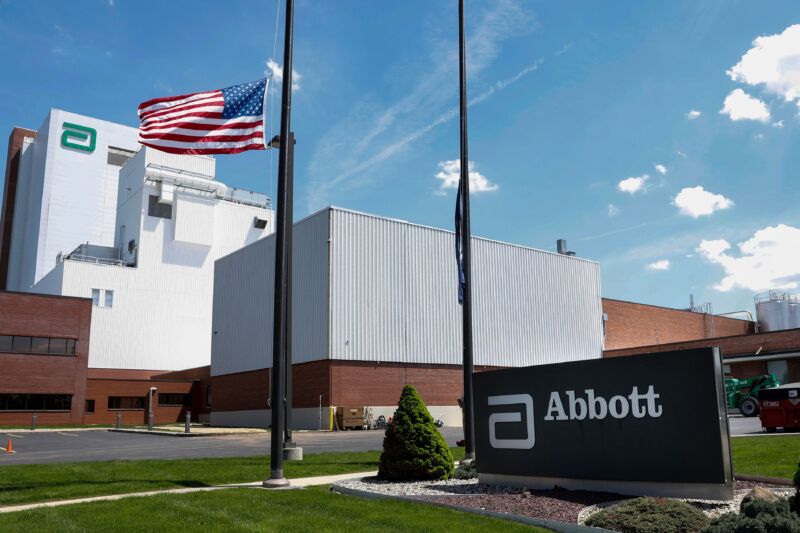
x=580, y=126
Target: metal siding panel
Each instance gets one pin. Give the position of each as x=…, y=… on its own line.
x=393, y=298
x=243, y=301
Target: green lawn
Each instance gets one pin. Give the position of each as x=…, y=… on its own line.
x=33, y=483
x=313, y=509
x=766, y=456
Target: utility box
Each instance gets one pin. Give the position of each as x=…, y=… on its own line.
x=780, y=408
x=350, y=417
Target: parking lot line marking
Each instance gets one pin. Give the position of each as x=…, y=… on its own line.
x=15, y=436
x=67, y=434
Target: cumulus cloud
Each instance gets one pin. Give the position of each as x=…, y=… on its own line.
x=450, y=174
x=769, y=260
x=612, y=210
x=633, y=184
x=276, y=71
x=774, y=63
x=693, y=114
x=661, y=264
x=661, y=169
x=741, y=106
x=696, y=202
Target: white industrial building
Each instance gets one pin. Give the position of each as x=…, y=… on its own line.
x=375, y=307
x=152, y=288
x=66, y=191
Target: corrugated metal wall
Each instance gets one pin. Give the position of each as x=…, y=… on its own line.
x=243, y=289
x=393, y=298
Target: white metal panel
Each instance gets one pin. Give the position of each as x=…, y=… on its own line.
x=199, y=164
x=243, y=300
x=393, y=298
x=194, y=220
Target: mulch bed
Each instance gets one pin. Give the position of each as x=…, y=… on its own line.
x=555, y=504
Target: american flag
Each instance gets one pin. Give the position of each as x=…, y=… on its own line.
x=226, y=121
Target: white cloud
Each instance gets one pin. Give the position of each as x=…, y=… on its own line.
x=696, y=202
x=693, y=114
x=778, y=124
x=774, y=62
x=741, y=106
x=661, y=264
x=770, y=259
x=634, y=184
x=612, y=210
x=276, y=70
x=661, y=169
x=450, y=174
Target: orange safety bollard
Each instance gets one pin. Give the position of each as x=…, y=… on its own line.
x=10, y=447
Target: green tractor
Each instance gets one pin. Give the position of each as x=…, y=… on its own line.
x=742, y=394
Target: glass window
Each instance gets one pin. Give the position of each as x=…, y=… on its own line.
x=5, y=343
x=21, y=345
x=157, y=209
x=109, y=298
x=169, y=398
x=40, y=345
x=208, y=395
x=126, y=402
x=71, y=346
x=90, y=406
x=58, y=346
x=96, y=297
x=35, y=402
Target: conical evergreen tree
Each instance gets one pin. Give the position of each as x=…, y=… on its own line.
x=413, y=449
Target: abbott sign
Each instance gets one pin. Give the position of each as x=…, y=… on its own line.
x=651, y=424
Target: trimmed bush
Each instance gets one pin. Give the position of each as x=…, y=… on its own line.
x=413, y=449
x=758, y=516
x=467, y=470
x=650, y=515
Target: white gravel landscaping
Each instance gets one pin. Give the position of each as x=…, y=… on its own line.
x=450, y=487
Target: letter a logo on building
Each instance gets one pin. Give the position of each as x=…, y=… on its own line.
x=79, y=137
x=498, y=418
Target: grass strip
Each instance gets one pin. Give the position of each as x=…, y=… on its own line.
x=775, y=456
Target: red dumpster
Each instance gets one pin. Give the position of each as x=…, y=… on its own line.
x=779, y=407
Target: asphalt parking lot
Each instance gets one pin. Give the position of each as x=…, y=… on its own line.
x=102, y=445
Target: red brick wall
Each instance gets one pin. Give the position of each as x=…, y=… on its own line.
x=773, y=341
x=15, y=141
x=45, y=316
x=631, y=324
x=100, y=389
x=348, y=383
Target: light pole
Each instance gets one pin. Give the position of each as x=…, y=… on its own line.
x=150, y=408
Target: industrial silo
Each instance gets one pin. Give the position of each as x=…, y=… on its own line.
x=772, y=311
x=794, y=311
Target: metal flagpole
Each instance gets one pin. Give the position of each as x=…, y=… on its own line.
x=466, y=308
x=283, y=234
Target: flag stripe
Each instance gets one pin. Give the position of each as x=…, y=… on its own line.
x=169, y=101
x=226, y=121
x=217, y=100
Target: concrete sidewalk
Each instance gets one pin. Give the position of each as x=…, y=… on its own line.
x=293, y=484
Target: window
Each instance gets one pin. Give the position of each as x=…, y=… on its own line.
x=90, y=406
x=126, y=402
x=40, y=345
x=21, y=345
x=208, y=395
x=109, y=298
x=35, y=402
x=157, y=209
x=36, y=345
x=170, y=398
x=96, y=297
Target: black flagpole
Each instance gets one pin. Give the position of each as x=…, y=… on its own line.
x=283, y=235
x=466, y=308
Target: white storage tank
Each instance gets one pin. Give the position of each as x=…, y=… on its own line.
x=794, y=311
x=772, y=311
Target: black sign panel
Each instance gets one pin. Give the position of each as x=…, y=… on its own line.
x=647, y=418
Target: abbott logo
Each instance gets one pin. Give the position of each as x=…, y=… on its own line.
x=86, y=137
x=500, y=418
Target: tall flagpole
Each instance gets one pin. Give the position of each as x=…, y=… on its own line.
x=283, y=236
x=466, y=308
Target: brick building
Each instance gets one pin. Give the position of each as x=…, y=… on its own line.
x=633, y=328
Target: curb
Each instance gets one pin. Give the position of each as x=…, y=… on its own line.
x=764, y=479
x=559, y=527
x=161, y=433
